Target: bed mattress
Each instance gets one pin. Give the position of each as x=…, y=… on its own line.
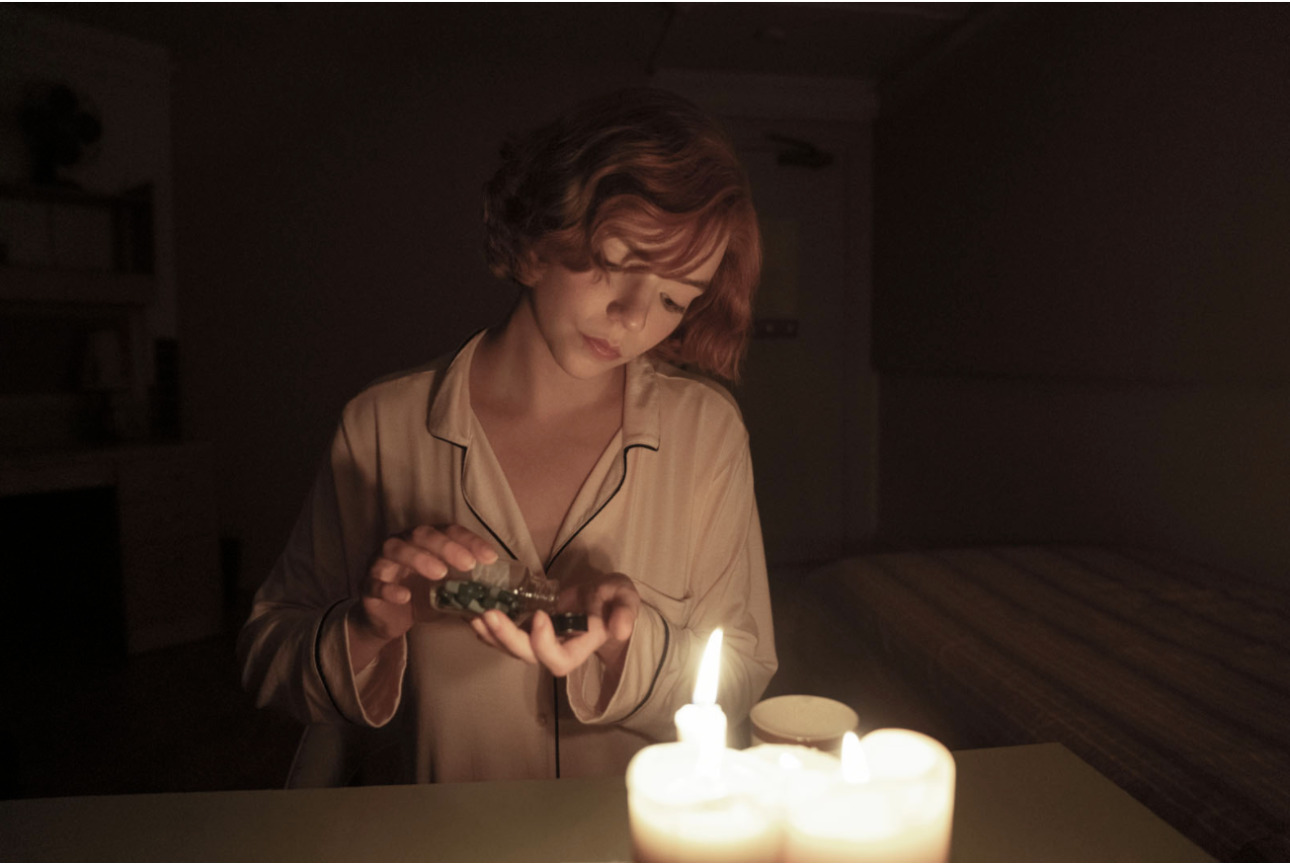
x=1169, y=678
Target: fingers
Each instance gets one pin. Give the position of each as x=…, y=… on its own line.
x=482, y=632
x=399, y=557
x=384, y=610
x=611, y=603
x=615, y=601
x=495, y=629
x=393, y=590
x=430, y=552
x=452, y=546
x=622, y=622
x=389, y=591
x=541, y=645
x=563, y=656
x=427, y=551
x=477, y=549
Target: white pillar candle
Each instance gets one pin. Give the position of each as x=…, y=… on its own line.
x=726, y=812
x=800, y=774
x=697, y=800
x=894, y=804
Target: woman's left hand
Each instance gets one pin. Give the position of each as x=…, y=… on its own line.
x=611, y=604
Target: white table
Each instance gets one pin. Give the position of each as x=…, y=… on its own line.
x=1032, y=803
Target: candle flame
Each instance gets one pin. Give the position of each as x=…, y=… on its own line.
x=855, y=768
x=705, y=688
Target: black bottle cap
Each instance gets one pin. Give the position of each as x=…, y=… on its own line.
x=569, y=622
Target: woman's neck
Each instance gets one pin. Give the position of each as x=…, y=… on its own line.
x=514, y=373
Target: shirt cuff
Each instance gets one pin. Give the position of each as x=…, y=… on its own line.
x=371, y=697
x=646, y=654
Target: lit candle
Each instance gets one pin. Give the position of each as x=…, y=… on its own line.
x=894, y=801
x=801, y=772
x=702, y=722
x=696, y=800
x=679, y=813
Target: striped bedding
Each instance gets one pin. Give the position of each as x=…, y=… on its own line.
x=1170, y=679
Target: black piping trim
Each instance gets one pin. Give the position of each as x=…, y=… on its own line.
x=438, y=383
x=318, y=659
x=473, y=511
x=667, y=641
x=555, y=683
x=464, y=449
x=612, y=496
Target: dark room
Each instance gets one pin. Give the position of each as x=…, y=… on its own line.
x=981, y=350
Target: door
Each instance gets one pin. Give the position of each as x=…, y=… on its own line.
x=809, y=395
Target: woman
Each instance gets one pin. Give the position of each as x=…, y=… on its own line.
x=566, y=441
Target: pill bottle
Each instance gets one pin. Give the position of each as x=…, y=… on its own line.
x=507, y=586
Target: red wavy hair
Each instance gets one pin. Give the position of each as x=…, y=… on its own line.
x=650, y=168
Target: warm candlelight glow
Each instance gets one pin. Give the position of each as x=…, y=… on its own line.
x=702, y=722
x=705, y=688
x=678, y=814
x=855, y=768
x=895, y=804
x=697, y=800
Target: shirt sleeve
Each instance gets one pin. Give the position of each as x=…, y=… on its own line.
x=294, y=648
x=729, y=590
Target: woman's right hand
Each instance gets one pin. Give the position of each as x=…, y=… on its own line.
x=406, y=563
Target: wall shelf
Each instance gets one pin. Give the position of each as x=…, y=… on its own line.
x=76, y=283
x=62, y=285
x=52, y=237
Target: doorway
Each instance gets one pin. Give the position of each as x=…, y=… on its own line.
x=809, y=395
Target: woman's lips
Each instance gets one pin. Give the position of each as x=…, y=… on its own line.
x=601, y=348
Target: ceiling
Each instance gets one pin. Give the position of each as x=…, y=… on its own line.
x=845, y=40
x=874, y=41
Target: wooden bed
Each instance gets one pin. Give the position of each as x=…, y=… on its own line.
x=1169, y=678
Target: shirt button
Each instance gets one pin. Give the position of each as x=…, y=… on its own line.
x=543, y=720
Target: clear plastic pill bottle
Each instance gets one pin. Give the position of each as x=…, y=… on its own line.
x=507, y=586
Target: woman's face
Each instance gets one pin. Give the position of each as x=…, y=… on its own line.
x=597, y=320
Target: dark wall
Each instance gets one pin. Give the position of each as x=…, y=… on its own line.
x=327, y=162
x=328, y=165
x=1080, y=279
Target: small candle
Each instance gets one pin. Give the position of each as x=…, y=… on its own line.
x=812, y=721
x=894, y=801
x=702, y=722
x=696, y=800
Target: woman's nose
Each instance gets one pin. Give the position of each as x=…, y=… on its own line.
x=630, y=306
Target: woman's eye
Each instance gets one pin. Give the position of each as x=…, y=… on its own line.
x=672, y=306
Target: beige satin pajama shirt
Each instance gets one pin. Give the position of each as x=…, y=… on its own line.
x=670, y=504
